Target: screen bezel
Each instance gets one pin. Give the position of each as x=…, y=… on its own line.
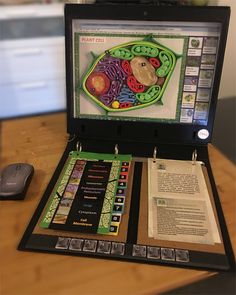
x=131, y=131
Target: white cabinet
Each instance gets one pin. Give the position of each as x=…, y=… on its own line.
x=32, y=97
x=32, y=69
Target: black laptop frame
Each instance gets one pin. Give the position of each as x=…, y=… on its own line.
x=142, y=131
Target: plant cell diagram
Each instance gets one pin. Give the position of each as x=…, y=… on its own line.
x=130, y=76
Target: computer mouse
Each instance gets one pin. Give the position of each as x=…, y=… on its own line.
x=15, y=180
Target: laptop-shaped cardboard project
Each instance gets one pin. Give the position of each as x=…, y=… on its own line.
x=135, y=182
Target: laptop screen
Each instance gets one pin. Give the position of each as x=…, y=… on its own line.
x=144, y=70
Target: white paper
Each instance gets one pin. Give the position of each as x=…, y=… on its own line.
x=179, y=203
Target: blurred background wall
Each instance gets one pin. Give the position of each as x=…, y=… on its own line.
x=228, y=85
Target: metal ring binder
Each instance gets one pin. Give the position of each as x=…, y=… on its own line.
x=116, y=149
x=78, y=146
x=155, y=154
x=71, y=138
x=194, y=157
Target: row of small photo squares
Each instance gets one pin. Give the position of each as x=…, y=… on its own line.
x=195, y=102
x=69, y=194
x=201, y=61
x=117, y=248
x=198, y=114
x=195, y=63
x=202, y=45
x=203, y=81
x=195, y=106
x=208, y=43
x=198, y=79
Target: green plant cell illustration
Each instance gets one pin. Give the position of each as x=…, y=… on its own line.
x=130, y=76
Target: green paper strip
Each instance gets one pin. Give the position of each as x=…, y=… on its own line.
x=58, y=191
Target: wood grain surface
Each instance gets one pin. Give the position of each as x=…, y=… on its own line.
x=41, y=141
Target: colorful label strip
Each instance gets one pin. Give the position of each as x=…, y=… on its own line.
x=119, y=200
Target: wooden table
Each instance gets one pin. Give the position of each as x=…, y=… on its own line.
x=41, y=141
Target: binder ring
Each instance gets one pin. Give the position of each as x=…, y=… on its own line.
x=116, y=150
x=78, y=146
x=194, y=157
x=155, y=154
x=71, y=138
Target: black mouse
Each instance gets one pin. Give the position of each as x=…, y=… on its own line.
x=15, y=180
